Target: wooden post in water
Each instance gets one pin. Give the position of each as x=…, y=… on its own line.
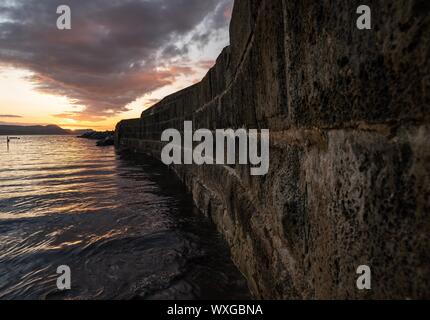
x=8, y=139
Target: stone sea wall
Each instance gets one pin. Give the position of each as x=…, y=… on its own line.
x=348, y=113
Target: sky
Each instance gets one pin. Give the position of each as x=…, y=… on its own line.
x=119, y=58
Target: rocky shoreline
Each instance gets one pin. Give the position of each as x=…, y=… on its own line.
x=104, y=139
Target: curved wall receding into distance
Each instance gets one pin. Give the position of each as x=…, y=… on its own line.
x=348, y=113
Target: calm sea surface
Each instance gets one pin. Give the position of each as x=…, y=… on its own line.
x=124, y=226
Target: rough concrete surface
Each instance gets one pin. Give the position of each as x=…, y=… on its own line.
x=348, y=111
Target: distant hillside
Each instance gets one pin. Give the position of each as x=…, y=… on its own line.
x=32, y=130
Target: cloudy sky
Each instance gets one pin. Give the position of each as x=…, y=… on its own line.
x=120, y=57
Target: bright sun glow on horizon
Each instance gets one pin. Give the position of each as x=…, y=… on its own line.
x=22, y=104
x=77, y=80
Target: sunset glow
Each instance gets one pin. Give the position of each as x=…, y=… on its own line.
x=93, y=75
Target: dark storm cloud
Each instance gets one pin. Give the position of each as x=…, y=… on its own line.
x=112, y=54
x=172, y=51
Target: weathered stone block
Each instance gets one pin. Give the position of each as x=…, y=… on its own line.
x=349, y=172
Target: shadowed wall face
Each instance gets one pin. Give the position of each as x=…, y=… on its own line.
x=349, y=175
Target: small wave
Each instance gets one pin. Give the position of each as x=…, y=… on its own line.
x=124, y=231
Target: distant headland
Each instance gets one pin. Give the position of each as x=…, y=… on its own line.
x=38, y=130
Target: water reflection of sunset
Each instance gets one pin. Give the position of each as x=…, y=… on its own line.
x=64, y=201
